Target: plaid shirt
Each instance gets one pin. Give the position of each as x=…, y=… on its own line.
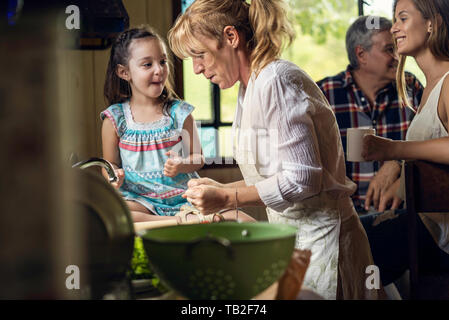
x=352, y=109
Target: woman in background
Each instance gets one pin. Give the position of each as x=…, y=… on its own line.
x=421, y=30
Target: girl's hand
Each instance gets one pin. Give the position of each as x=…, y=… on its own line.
x=204, y=181
x=207, y=199
x=377, y=148
x=121, y=177
x=173, y=164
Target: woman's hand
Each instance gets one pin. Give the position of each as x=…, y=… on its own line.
x=173, y=164
x=207, y=199
x=206, y=181
x=378, y=148
x=121, y=177
x=389, y=198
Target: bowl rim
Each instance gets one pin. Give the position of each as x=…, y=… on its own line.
x=232, y=242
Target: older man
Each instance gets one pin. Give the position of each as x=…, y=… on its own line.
x=365, y=95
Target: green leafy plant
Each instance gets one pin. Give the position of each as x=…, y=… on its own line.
x=139, y=263
x=141, y=269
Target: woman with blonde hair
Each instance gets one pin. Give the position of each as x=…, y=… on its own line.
x=421, y=30
x=287, y=142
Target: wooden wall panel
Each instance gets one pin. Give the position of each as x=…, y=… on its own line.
x=159, y=13
x=101, y=59
x=137, y=11
x=86, y=82
x=77, y=96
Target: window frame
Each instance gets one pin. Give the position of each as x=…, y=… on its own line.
x=216, y=123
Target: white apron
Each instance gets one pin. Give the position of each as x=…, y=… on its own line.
x=319, y=222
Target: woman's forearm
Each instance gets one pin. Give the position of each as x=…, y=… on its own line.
x=242, y=197
x=435, y=150
x=236, y=184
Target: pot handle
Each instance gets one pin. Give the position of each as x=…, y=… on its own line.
x=209, y=238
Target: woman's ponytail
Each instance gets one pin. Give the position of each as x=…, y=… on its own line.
x=268, y=19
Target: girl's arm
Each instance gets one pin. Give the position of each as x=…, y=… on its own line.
x=195, y=160
x=110, y=150
x=190, y=141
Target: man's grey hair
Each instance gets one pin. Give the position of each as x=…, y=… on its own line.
x=360, y=34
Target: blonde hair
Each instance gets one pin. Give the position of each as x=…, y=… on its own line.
x=263, y=24
x=437, y=11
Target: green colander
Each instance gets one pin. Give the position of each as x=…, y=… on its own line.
x=226, y=260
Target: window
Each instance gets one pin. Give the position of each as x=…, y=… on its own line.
x=320, y=25
x=214, y=111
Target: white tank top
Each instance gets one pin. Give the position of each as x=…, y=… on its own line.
x=427, y=125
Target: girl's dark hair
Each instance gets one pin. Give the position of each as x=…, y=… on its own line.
x=117, y=90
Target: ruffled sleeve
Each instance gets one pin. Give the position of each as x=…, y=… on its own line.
x=179, y=111
x=116, y=115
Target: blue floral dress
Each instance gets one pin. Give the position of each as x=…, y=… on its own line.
x=142, y=151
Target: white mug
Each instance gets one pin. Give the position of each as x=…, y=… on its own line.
x=354, y=142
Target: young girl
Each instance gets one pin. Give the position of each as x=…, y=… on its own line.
x=421, y=30
x=146, y=127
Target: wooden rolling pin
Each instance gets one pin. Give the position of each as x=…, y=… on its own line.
x=147, y=225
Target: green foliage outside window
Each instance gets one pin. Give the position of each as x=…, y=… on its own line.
x=319, y=49
x=323, y=19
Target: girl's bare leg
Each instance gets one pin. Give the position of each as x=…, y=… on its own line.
x=139, y=213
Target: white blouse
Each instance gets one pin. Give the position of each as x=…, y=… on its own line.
x=294, y=137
